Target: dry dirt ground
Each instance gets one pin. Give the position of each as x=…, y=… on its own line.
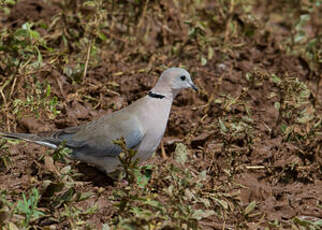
x=251, y=137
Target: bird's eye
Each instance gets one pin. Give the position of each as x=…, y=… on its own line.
x=183, y=77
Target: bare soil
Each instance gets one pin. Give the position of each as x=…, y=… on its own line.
x=254, y=162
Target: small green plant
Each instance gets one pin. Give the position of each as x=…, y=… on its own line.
x=294, y=105
x=6, y=4
x=24, y=43
x=28, y=207
x=307, y=223
x=129, y=164
x=41, y=101
x=131, y=171
x=141, y=208
x=61, y=152
x=304, y=44
x=75, y=214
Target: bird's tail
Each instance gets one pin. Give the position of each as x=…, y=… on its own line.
x=29, y=137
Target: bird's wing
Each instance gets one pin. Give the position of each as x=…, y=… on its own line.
x=97, y=137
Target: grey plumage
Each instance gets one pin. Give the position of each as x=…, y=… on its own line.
x=142, y=124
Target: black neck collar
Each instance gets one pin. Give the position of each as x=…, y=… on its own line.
x=155, y=95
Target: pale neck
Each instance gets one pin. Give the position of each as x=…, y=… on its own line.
x=165, y=91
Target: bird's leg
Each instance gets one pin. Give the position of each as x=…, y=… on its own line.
x=163, y=153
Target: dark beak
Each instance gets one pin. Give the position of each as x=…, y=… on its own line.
x=194, y=87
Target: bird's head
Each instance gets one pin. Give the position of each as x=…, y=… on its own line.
x=173, y=80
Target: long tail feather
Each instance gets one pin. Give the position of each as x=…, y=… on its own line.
x=28, y=137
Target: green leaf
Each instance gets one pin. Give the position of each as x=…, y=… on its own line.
x=85, y=195
x=142, y=179
x=200, y=214
x=302, y=222
x=68, y=195
x=48, y=90
x=248, y=76
x=299, y=37
x=10, y=2
x=222, y=203
x=250, y=207
x=318, y=223
x=277, y=105
x=276, y=79
x=222, y=126
x=89, y=3
x=283, y=128
x=34, y=34
x=101, y=36
x=153, y=203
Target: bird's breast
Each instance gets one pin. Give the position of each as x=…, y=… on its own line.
x=155, y=118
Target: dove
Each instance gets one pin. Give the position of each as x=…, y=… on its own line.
x=142, y=125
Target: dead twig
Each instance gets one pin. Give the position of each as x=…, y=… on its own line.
x=3, y=87
x=87, y=60
x=13, y=87
x=230, y=16
x=143, y=14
